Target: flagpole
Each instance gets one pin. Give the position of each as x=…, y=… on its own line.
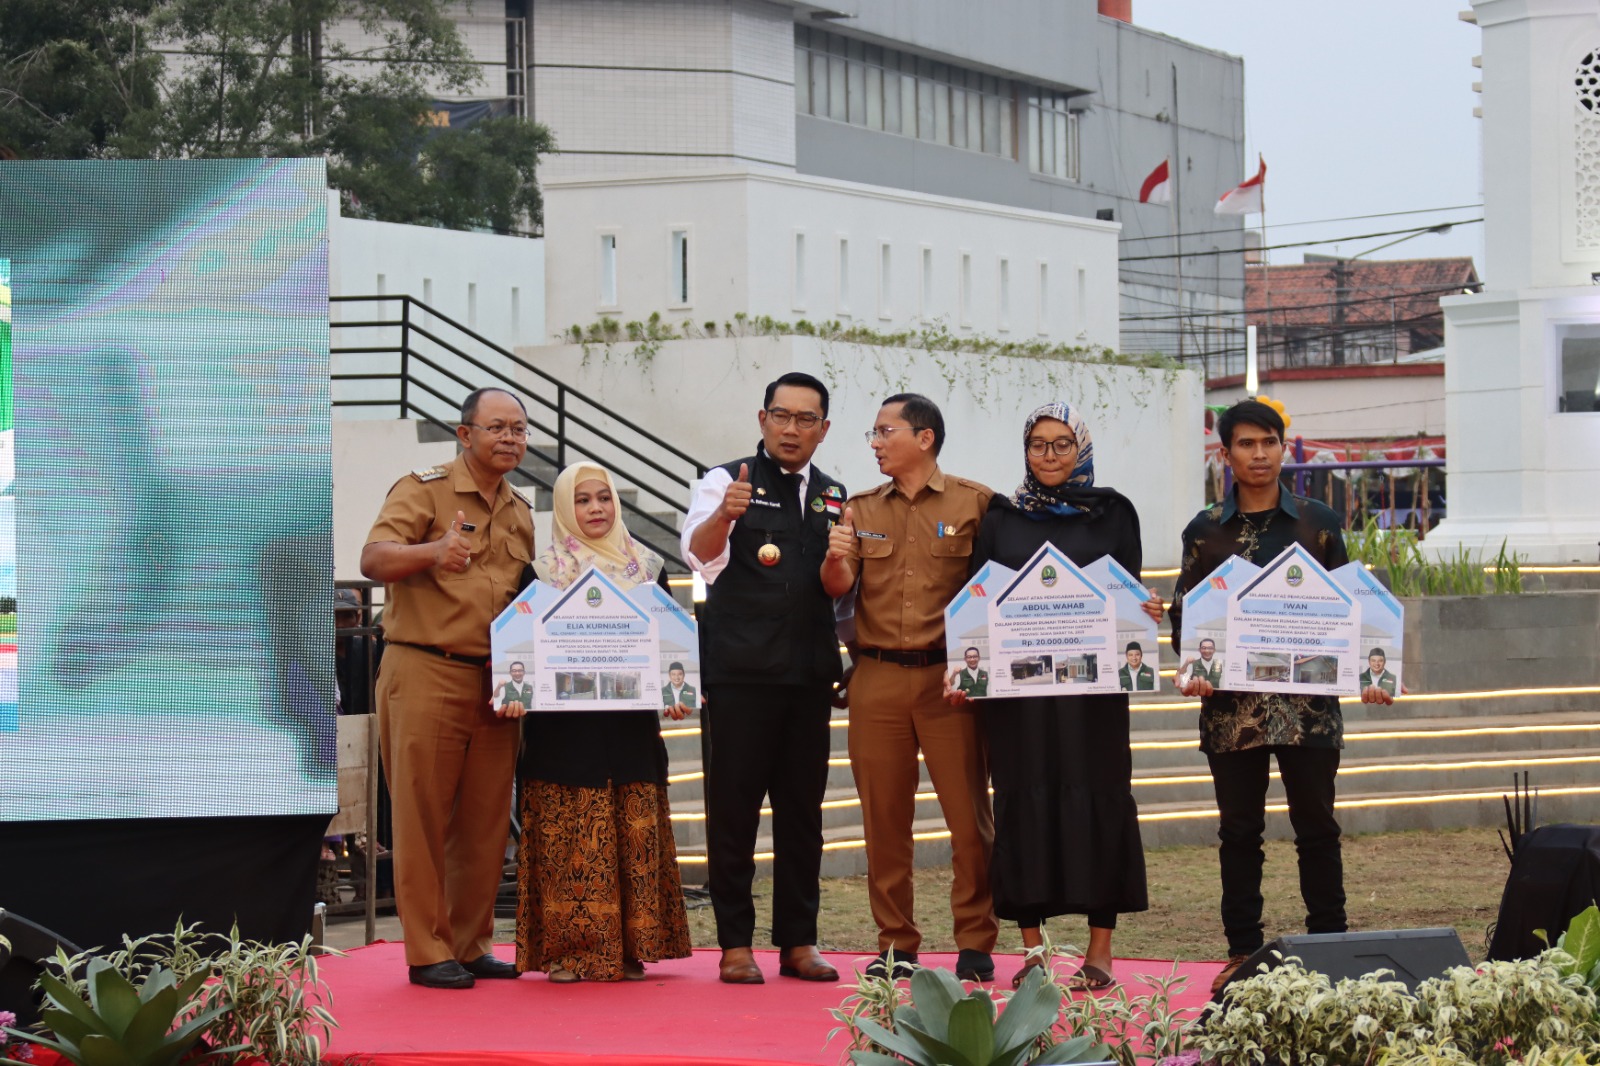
x=1177, y=214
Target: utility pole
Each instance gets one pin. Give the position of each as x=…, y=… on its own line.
x=1341, y=295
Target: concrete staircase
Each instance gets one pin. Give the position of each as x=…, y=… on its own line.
x=1430, y=761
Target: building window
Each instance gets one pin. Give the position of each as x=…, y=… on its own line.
x=427, y=291
x=965, y=310
x=1044, y=298
x=885, y=281
x=516, y=313
x=844, y=276
x=608, y=270
x=679, y=294
x=925, y=306
x=1580, y=370
x=799, y=271
x=1052, y=136
x=472, y=305
x=848, y=80
x=1005, y=294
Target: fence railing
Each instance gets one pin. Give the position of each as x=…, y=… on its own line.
x=423, y=363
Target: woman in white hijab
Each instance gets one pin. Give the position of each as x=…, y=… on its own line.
x=597, y=872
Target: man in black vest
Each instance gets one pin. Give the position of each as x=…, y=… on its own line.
x=756, y=531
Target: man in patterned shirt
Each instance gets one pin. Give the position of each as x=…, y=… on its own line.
x=1241, y=732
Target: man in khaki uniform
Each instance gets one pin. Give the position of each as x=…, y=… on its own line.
x=450, y=545
x=910, y=541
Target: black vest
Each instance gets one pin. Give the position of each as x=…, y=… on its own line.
x=773, y=625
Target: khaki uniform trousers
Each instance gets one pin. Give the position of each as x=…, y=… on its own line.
x=894, y=710
x=449, y=762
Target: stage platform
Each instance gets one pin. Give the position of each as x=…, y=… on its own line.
x=680, y=1015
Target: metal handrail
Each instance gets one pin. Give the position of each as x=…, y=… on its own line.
x=565, y=417
x=561, y=386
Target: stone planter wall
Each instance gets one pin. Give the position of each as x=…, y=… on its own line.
x=1529, y=640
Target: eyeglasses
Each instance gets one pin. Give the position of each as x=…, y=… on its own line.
x=1061, y=446
x=781, y=418
x=516, y=431
x=877, y=433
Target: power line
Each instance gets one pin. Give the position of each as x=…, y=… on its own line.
x=1267, y=312
x=1293, y=244
x=1312, y=222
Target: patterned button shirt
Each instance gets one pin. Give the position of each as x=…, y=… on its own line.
x=1236, y=721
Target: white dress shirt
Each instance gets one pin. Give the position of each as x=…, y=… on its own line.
x=703, y=504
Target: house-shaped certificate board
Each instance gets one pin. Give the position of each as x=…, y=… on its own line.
x=1052, y=631
x=592, y=646
x=1291, y=626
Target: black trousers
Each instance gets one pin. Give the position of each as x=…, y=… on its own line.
x=765, y=741
x=1240, y=781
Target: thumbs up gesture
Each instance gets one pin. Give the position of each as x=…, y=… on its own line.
x=842, y=537
x=452, y=553
x=736, y=499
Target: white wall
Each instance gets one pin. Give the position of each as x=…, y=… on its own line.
x=703, y=397
x=489, y=283
x=631, y=86
x=472, y=276
x=1520, y=469
x=368, y=458
x=743, y=229
x=1353, y=407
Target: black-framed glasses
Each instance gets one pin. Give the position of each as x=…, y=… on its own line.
x=514, y=430
x=1061, y=446
x=803, y=419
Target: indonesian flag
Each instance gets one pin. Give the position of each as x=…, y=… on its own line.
x=1157, y=188
x=1246, y=199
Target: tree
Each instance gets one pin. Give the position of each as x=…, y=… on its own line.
x=78, y=79
x=352, y=80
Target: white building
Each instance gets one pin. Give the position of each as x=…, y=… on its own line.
x=880, y=161
x=1522, y=378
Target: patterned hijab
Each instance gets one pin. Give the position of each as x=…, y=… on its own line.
x=617, y=555
x=1035, y=498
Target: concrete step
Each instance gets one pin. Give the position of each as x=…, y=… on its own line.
x=1425, y=762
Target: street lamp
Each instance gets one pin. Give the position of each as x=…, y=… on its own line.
x=1341, y=280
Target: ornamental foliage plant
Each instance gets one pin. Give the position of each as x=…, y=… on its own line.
x=155, y=1022
x=1498, y=1014
x=262, y=1001
x=944, y=1024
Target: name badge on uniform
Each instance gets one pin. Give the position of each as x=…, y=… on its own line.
x=864, y=535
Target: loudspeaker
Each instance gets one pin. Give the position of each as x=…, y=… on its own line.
x=1555, y=875
x=1414, y=955
x=33, y=947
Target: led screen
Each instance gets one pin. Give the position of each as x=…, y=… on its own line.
x=165, y=490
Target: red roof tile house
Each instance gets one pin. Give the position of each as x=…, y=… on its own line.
x=1339, y=312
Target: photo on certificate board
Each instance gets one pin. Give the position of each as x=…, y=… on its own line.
x=678, y=672
x=1382, y=629
x=966, y=626
x=1204, y=638
x=1136, y=651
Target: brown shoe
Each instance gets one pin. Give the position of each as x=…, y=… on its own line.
x=806, y=963
x=738, y=967
x=1234, y=962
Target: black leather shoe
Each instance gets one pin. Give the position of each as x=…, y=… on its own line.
x=904, y=963
x=447, y=974
x=974, y=965
x=490, y=967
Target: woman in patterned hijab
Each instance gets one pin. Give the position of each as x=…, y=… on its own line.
x=1066, y=828
x=586, y=530
x=1034, y=497
x=598, y=887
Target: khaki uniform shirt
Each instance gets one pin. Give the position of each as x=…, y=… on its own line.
x=453, y=611
x=912, y=556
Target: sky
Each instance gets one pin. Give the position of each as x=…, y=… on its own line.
x=1359, y=107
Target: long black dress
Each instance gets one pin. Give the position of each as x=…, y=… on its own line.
x=1066, y=828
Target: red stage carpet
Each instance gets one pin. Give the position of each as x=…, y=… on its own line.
x=681, y=1015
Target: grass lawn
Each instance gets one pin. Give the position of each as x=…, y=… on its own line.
x=1393, y=880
